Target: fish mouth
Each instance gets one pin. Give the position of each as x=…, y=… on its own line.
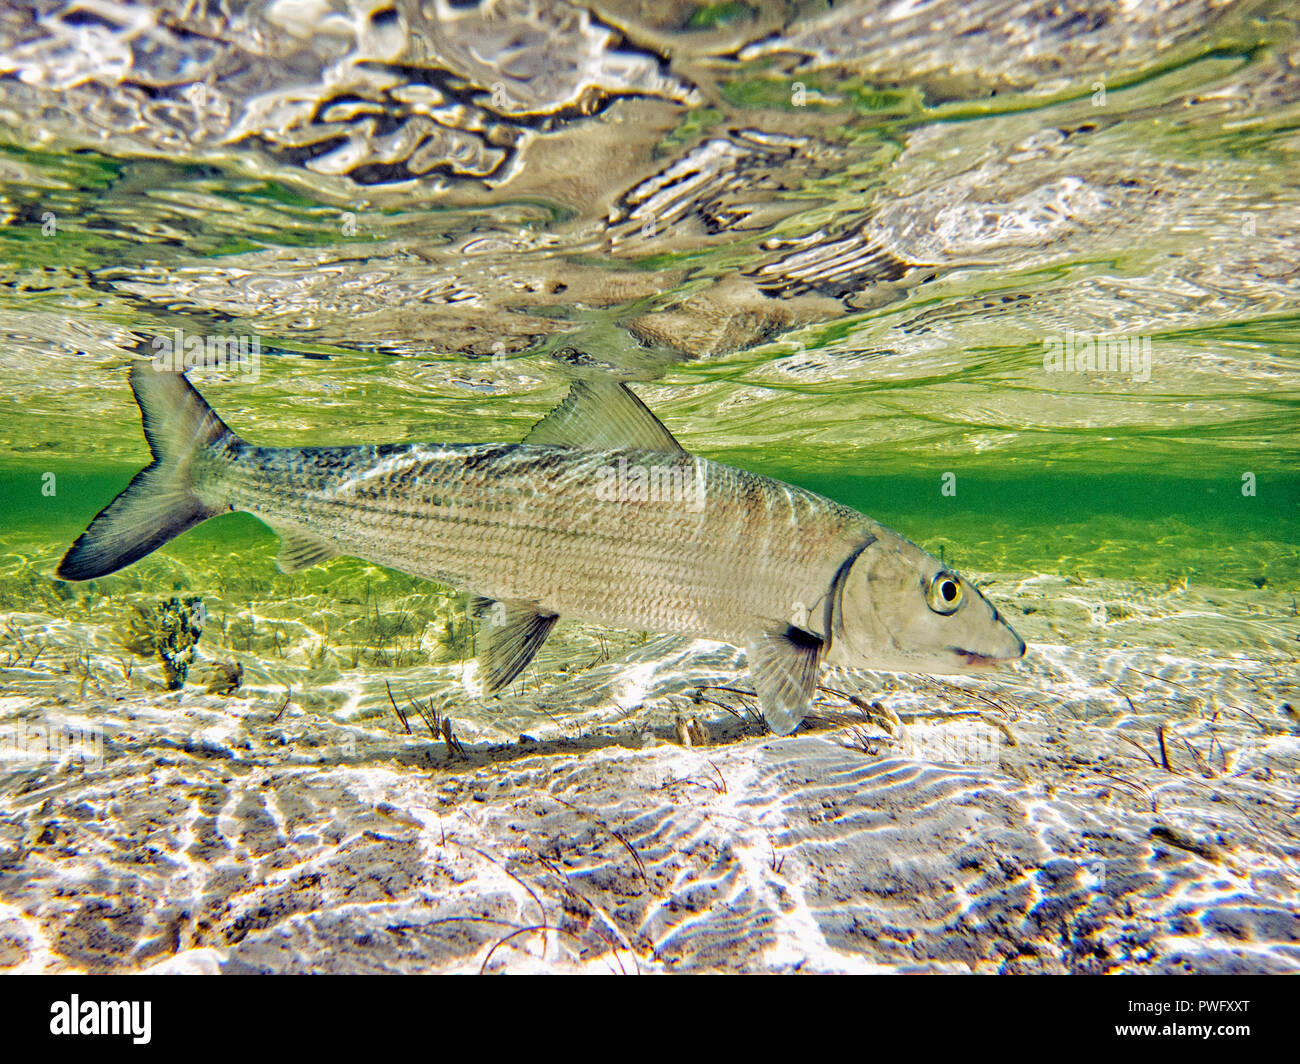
x=983, y=661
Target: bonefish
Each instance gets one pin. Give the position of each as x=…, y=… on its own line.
x=598, y=515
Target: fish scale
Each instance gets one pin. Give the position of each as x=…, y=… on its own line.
x=555, y=526
x=525, y=523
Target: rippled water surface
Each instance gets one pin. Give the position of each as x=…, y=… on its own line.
x=874, y=249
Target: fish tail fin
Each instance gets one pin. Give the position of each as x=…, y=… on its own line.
x=160, y=503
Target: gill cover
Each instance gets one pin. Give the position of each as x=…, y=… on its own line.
x=900, y=609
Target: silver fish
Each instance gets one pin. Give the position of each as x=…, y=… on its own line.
x=598, y=515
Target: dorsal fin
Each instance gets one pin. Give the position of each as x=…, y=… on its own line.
x=603, y=416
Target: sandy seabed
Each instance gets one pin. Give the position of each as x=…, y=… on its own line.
x=1124, y=800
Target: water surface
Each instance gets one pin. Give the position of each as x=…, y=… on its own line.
x=837, y=246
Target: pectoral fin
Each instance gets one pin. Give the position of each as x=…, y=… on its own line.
x=301, y=550
x=509, y=635
x=784, y=663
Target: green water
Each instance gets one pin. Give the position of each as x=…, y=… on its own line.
x=1124, y=527
x=1018, y=281
x=837, y=258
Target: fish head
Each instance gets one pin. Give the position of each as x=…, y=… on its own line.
x=902, y=610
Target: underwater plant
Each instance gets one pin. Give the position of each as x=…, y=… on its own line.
x=170, y=630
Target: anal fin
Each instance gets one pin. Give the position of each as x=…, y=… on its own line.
x=784, y=663
x=509, y=636
x=301, y=550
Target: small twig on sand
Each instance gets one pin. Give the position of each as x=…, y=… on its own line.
x=640, y=865
x=1259, y=723
x=573, y=892
x=544, y=926
x=288, y=694
x=1164, y=754
x=513, y=934
x=721, y=705
x=1133, y=742
x=1196, y=756
x=400, y=715
x=774, y=864
x=729, y=690
x=429, y=716
x=1137, y=788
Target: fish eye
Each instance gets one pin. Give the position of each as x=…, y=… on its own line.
x=944, y=593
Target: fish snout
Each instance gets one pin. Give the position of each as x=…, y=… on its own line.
x=1012, y=650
